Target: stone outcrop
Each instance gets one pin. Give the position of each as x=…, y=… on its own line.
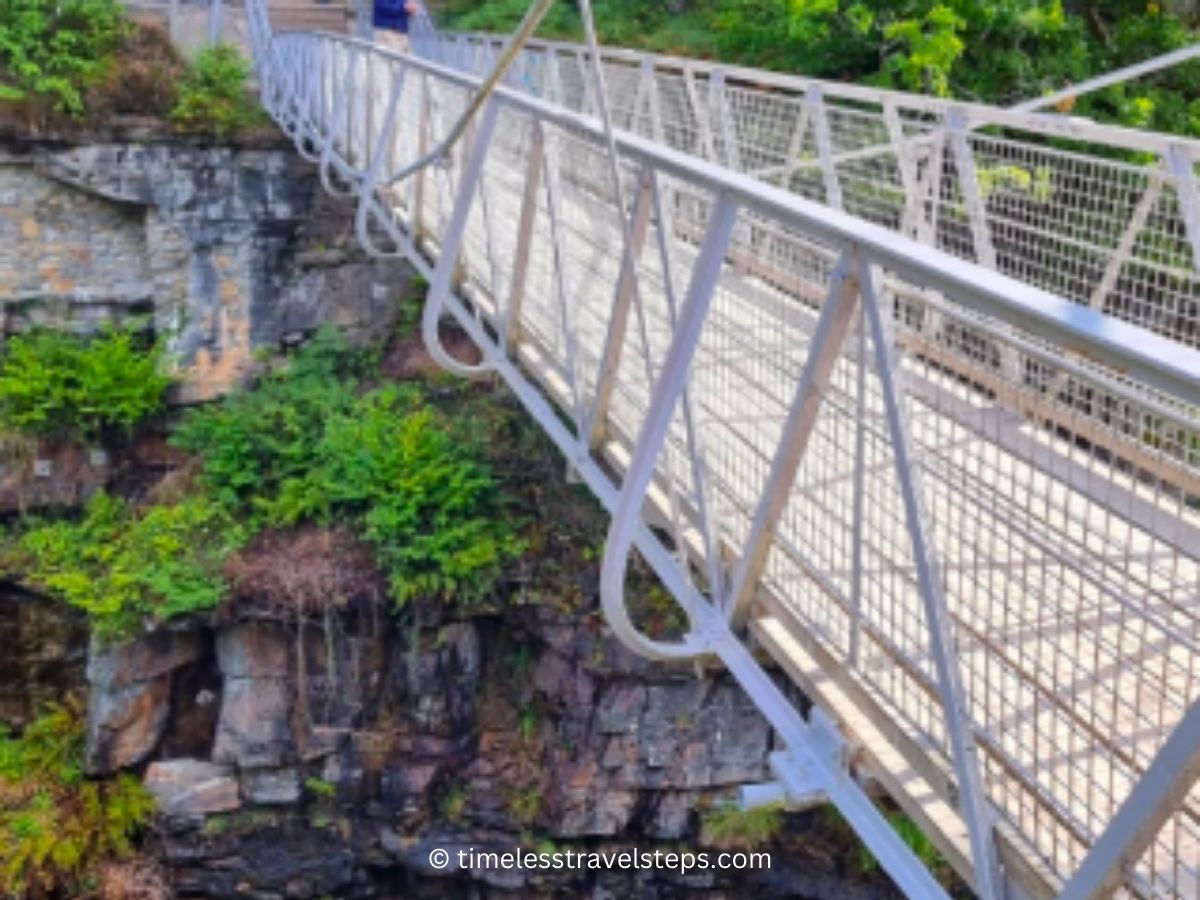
x=330, y=759
x=129, y=695
x=189, y=789
x=43, y=654
x=228, y=248
x=254, y=730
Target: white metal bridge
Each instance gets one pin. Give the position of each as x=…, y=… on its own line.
x=899, y=398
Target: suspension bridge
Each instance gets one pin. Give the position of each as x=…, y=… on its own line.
x=898, y=397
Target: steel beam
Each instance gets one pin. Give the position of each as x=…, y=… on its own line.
x=973, y=803
x=824, y=348
x=525, y=231
x=1156, y=795
x=626, y=290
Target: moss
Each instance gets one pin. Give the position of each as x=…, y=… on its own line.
x=730, y=826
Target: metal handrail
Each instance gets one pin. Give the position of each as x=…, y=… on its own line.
x=1116, y=360
x=1165, y=364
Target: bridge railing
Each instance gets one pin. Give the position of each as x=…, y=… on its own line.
x=975, y=541
x=1106, y=216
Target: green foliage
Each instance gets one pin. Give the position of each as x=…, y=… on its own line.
x=917, y=841
x=525, y=804
x=320, y=789
x=51, y=50
x=996, y=51
x=258, y=445
x=504, y=15
x=730, y=826
x=212, y=97
x=306, y=446
x=124, y=566
x=56, y=384
x=56, y=826
x=454, y=803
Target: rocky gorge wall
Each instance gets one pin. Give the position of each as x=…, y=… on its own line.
x=328, y=760
x=228, y=248
x=313, y=756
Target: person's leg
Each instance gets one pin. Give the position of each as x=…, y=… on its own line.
x=392, y=40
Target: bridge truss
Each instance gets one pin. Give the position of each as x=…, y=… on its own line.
x=899, y=396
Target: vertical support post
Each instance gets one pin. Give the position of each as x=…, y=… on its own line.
x=705, y=147
x=364, y=27
x=973, y=802
x=641, y=96
x=590, y=103
x=173, y=21
x=860, y=489
x=931, y=192
x=553, y=193
x=906, y=168
x=510, y=331
x=421, y=180
x=1183, y=170
x=657, y=131
x=618, y=322
x=375, y=165
x=824, y=348
x=214, y=22
x=968, y=181
x=815, y=99
x=719, y=101
x=1166, y=781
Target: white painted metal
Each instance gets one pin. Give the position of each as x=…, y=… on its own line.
x=1019, y=623
x=1118, y=76
x=1061, y=190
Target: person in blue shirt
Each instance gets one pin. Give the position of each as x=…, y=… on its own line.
x=390, y=18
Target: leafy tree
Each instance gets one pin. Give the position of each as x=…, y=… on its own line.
x=995, y=51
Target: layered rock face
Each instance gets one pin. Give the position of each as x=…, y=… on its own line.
x=227, y=248
x=43, y=654
x=338, y=754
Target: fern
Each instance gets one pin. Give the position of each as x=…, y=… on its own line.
x=60, y=385
x=56, y=826
x=307, y=446
x=124, y=566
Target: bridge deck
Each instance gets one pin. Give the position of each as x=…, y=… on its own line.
x=1060, y=492
x=1073, y=583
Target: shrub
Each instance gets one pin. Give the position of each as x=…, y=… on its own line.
x=212, y=98
x=255, y=444
x=124, y=566
x=423, y=500
x=56, y=384
x=306, y=446
x=51, y=50
x=140, y=79
x=56, y=826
